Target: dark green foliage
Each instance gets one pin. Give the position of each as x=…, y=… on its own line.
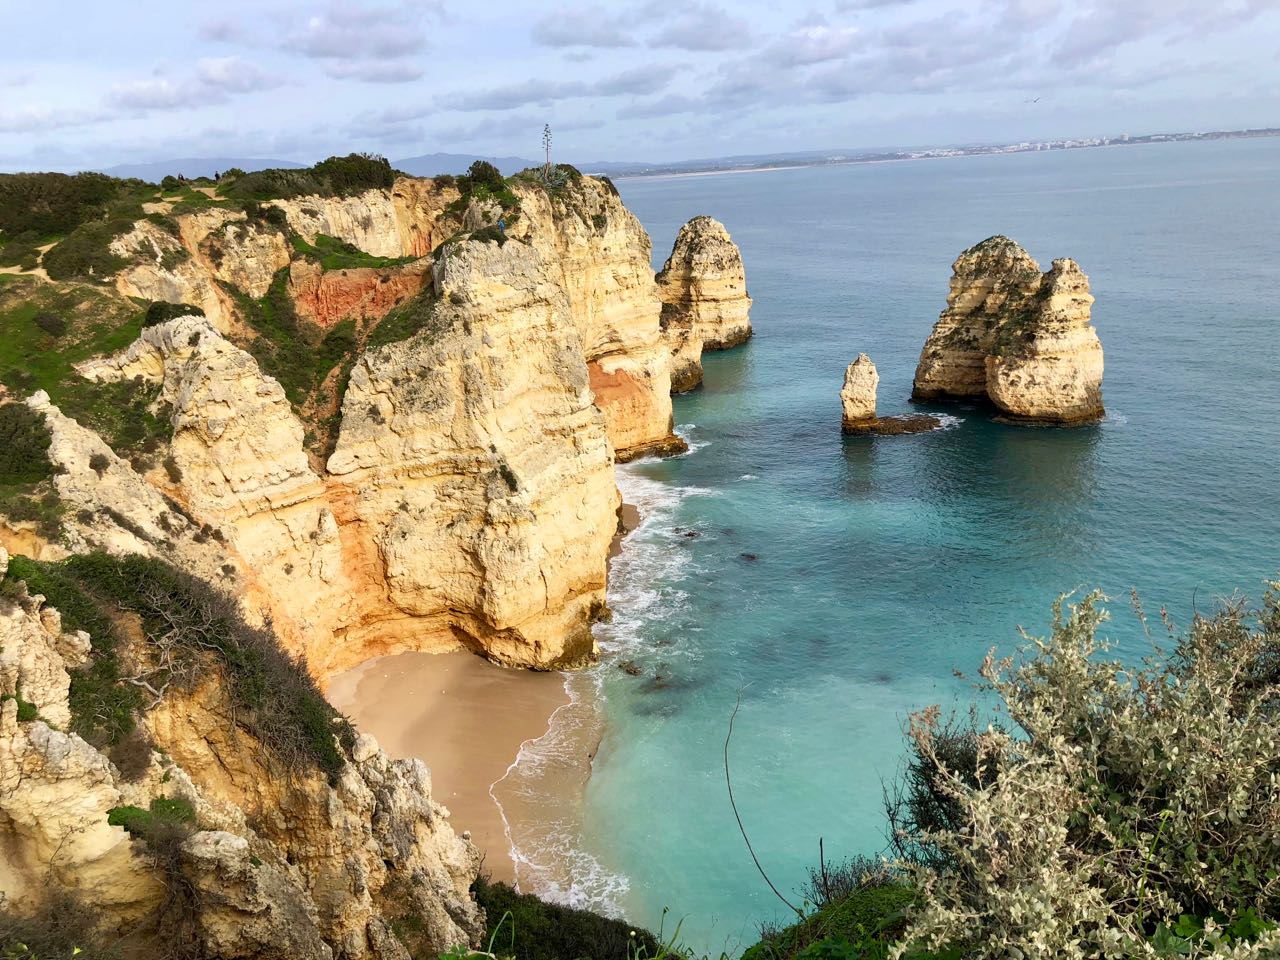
x=21, y=251
x=24, y=445
x=483, y=173
x=299, y=356
x=61, y=929
x=121, y=413
x=85, y=253
x=406, y=320
x=51, y=204
x=172, y=470
x=98, y=463
x=273, y=696
x=526, y=928
x=335, y=177
x=102, y=708
x=26, y=711
x=170, y=184
x=160, y=311
x=918, y=804
x=265, y=213
x=142, y=823
x=52, y=324
x=486, y=234
x=862, y=924
x=609, y=185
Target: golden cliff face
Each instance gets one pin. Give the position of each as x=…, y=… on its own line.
x=705, y=305
x=601, y=255
x=1017, y=337
x=276, y=863
x=480, y=468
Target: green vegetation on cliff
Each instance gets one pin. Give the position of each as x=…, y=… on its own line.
x=335, y=177
x=188, y=627
x=334, y=254
x=26, y=490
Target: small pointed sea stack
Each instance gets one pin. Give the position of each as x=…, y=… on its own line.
x=1015, y=336
x=705, y=305
x=858, y=396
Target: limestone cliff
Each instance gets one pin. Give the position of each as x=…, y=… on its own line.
x=476, y=461
x=705, y=305
x=1017, y=337
x=601, y=255
x=224, y=840
x=327, y=297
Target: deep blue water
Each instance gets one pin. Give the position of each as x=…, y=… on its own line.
x=884, y=564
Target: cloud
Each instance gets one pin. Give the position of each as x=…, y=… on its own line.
x=214, y=80
x=704, y=27
x=374, y=71
x=345, y=30
x=581, y=27
x=668, y=106
x=652, y=78
x=233, y=75
x=815, y=44
x=36, y=120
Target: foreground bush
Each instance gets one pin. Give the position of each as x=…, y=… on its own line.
x=1137, y=814
x=526, y=928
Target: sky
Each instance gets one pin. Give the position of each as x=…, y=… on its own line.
x=91, y=84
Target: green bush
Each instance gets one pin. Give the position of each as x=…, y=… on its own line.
x=52, y=324
x=334, y=254
x=160, y=311
x=526, y=928
x=146, y=823
x=24, y=445
x=52, y=204
x=406, y=320
x=85, y=254
x=334, y=177
x=1135, y=814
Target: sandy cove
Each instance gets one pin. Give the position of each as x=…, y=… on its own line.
x=468, y=719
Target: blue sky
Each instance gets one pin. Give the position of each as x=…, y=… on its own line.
x=93, y=84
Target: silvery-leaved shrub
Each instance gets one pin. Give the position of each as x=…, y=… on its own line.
x=1134, y=813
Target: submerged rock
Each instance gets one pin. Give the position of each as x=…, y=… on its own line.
x=1015, y=336
x=705, y=305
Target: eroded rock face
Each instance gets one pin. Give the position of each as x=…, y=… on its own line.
x=479, y=464
x=858, y=395
x=705, y=305
x=161, y=268
x=601, y=254
x=1017, y=337
x=327, y=297
x=278, y=866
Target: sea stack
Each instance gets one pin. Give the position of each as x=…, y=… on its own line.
x=705, y=305
x=858, y=398
x=1016, y=337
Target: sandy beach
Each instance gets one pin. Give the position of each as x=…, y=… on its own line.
x=468, y=719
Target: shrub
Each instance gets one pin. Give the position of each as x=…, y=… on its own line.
x=172, y=470
x=1137, y=813
x=170, y=183
x=24, y=445
x=481, y=172
x=62, y=928
x=85, y=254
x=525, y=928
x=48, y=204
x=160, y=311
x=98, y=463
x=52, y=324
x=486, y=234
x=334, y=177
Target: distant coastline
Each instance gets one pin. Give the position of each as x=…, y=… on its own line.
x=763, y=164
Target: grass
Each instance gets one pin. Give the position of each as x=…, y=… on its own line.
x=141, y=823
x=273, y=696
x=334, y=254
x=97, y=322
x=407, y=320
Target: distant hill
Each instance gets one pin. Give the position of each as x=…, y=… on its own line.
x=193, y=167
x=430, y=164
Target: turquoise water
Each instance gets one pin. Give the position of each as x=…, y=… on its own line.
x=883, y=564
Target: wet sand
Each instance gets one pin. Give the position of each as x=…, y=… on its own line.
x=467, y=719
x=464, y=717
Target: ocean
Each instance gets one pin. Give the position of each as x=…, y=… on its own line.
x=835, y=585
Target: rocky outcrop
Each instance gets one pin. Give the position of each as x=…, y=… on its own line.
x=1016, y=337
x=705, y=305
x=162, y=268
x=244, y=253
x=276, y=863
x=327, y=297
x=479, y=466
x=601, y=255
x=858, y=399
x=858, y=395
